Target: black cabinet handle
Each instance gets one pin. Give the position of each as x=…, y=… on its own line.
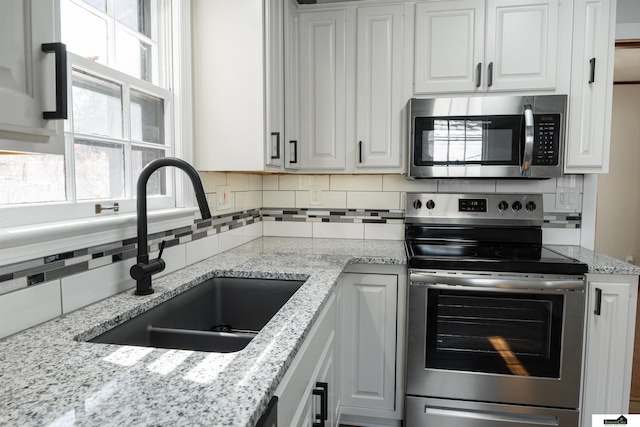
x=322, y=390
x=598, y=302
x=295, y=151
x=490, y=76
x=277, y=155
x=60, y=50
x=359, y=151
x=592, y=74
x=479, y=74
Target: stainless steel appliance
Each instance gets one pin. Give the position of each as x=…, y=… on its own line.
x=496, y=320
x=487, y=137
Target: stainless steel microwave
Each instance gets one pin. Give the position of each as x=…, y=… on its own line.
x=487, y=137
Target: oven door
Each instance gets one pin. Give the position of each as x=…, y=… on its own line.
x=496, y=338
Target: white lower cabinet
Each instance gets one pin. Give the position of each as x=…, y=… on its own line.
x=372, y=344
x=308, y=394
x=610, y=323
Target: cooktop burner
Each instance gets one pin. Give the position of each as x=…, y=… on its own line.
x=479, y=232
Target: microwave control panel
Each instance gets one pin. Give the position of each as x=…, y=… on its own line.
x=546, y=139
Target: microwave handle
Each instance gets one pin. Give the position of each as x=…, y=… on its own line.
x=525, y=167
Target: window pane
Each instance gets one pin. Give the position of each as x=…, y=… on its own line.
x=135, y=14
x=133, y=56
x=147, y=118
x=97, y=106
x=30, y=178
x=98, y=4
x=99, y=170
x=140, y=157
x=84, y=33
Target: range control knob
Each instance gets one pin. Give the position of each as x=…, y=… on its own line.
x=530, y=206
x=503, y=206
x=516, y=206
x=431, y=204
x=417, y=204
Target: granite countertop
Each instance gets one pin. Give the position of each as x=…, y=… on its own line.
x=598, y=263
x=49, y=378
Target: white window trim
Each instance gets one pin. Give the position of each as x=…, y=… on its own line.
x=55, y=235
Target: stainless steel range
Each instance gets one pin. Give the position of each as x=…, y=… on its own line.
x=496, y=320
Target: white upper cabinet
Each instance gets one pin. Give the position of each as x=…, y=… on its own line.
x=292, y=84
x=323, y=90
x=28, y=77
x=379, y=100
x=486, y=45
x=591, y=87
x=238, y=84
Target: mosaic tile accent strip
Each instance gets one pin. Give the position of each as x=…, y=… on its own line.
x=55, y=266
x=28, y=273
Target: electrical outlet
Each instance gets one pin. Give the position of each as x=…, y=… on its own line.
x=315, y=195
x=568, y=199
x=223, y=194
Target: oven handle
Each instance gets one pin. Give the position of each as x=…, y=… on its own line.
x=501, y=417
x=505, y=282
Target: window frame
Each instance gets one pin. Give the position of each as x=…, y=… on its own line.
x=27, y=227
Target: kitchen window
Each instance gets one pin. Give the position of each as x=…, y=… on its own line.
x=121, y=116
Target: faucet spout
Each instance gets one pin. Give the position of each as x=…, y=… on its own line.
x=144, y=269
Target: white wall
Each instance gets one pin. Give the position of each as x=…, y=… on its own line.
x=618, y=207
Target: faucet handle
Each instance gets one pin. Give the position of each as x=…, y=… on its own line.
x=162, y=245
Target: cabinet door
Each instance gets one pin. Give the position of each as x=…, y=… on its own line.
x=379, y=85
x=449, y=46
x=28, y=78
x=274, y=46
x=521, y=44
x=591, y=87
x=609, y=345
x=322, y=89
x=368, y=350
x=292, y=85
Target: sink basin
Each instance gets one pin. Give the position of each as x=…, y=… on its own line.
x=219, y=315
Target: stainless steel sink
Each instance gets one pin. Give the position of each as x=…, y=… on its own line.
x=220, y=315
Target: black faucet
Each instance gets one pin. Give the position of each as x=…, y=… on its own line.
x=144, y=269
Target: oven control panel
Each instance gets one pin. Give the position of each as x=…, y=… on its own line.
x=493, y=208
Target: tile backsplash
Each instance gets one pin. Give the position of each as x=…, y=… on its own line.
x=344, y=206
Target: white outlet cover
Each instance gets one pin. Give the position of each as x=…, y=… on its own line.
x=223, y=195
x=315, y=195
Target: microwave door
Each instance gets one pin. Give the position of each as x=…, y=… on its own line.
x=525, y=167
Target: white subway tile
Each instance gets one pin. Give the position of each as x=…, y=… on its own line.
x=86, y=288
x=526, y=186
x=29, y=307
x=574, y=181
x=338, y=230
x=287, y=229
x=270, y=182
x=278, y=199
x=384, y=231
x=200, y=249
x=251, y=232
x=255, y=182
x=230, y=239
x=246, y=200
x=329, y=200
x=303, y=182
x=401, y=183
x=467, y=186
x=211, y=179
x=561, y=236
x=356, y=182
x=373, y=200
x=174, y=258
x=238, y=181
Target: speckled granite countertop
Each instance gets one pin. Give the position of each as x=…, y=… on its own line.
x=49, y=379
x=598, y=263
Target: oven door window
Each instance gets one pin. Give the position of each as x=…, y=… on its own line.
x=494, y=332
x=490, y=140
